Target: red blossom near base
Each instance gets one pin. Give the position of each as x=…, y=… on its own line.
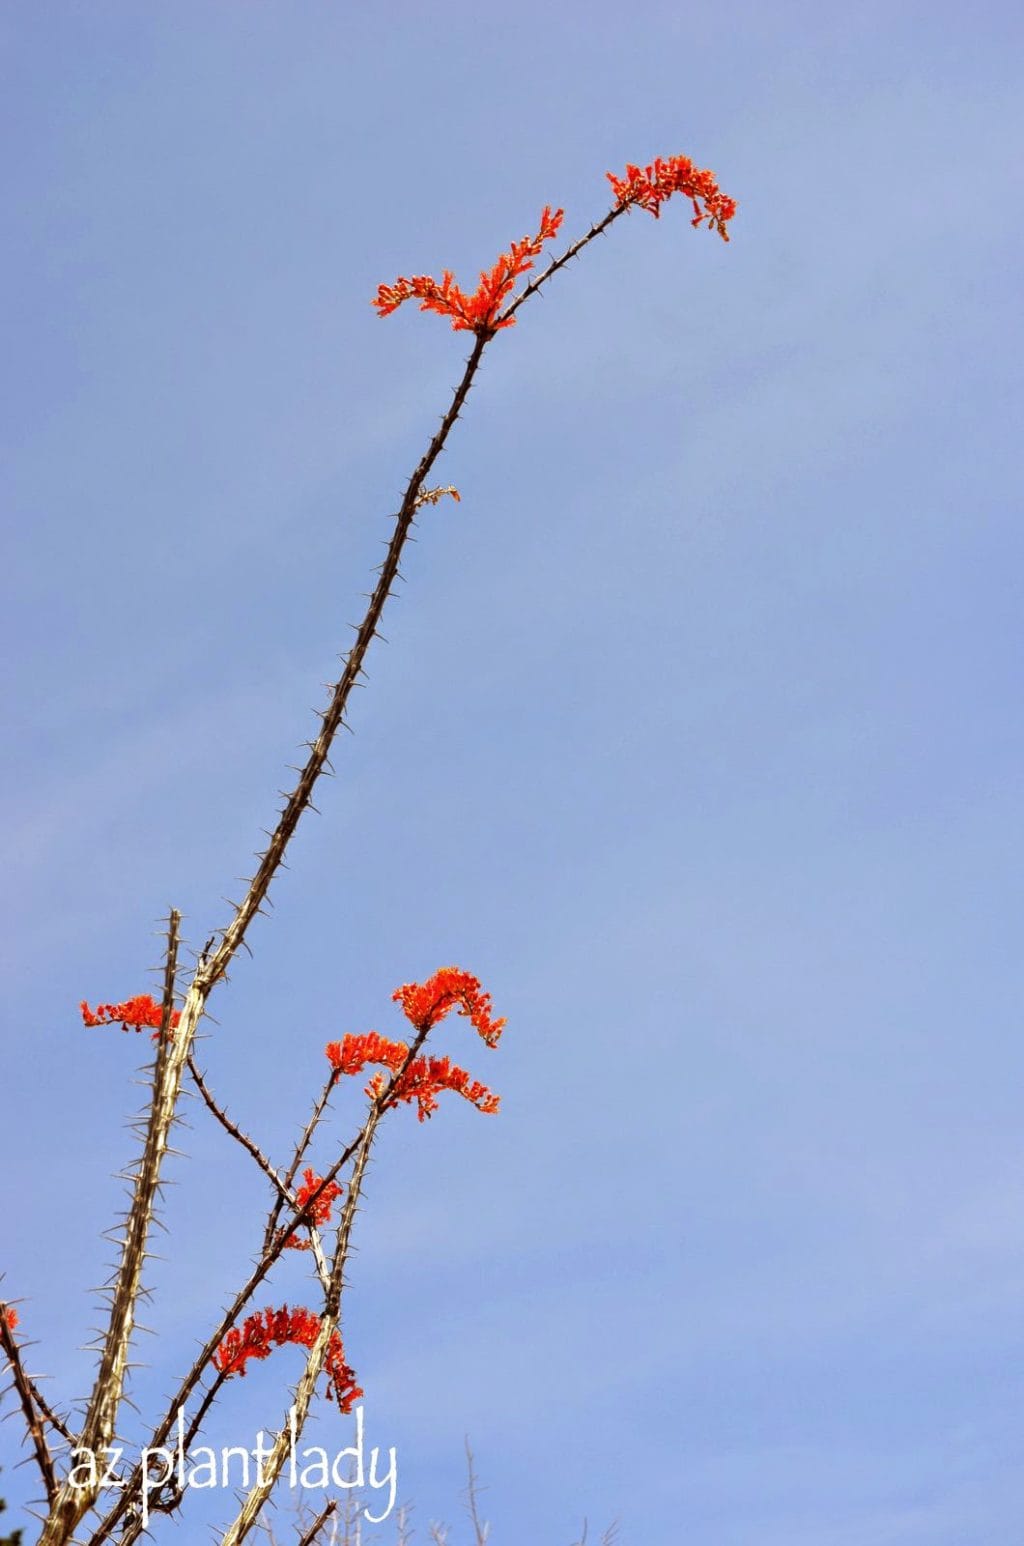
x=480, y=312
x=131, y=1015
x=320, y=1212
x=425, y=1003
x=261, y=1332
x=650, y=186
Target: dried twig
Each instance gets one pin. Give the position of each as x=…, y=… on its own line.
x=481, y=1529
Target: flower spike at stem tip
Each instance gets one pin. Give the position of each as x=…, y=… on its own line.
x=481, y=313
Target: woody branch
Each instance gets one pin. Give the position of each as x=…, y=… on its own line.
x=485, y=312
x=31, y=1405
x=300, y=1215
x=72, y=1503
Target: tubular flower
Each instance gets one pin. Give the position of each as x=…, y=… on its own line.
x=650, y=186
x=10, y=1315
x=260, y=1333
x=352, y=1055
x=132, y=1015
x=425, y=1003
x=422, y=1081
x=320, y=1213
x=480, y=312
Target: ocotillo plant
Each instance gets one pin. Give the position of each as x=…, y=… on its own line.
x=310, y=1209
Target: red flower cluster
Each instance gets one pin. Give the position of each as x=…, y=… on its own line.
x=320, y=1213
x=480, y=312
x=266, y=1329
x=422, y=1081
x=11, y=1317
x=650, y=186
x=132, y=1015
x=425, y=1003
x=352, y=1055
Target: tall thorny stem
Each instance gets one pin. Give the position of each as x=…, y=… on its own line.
x=72, y=1502
x=490, y=309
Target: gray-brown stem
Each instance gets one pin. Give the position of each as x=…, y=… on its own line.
x=72, y=1502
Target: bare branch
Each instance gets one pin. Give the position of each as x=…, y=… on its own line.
x=201, y=1364
x=30, y=1412
x=301, y=794
x=567, y=256
x=351, y=1522
x=300, y=1404
x=283, y=1193
x=318, y=1523
x=235, y=1132
x=481, y=1528
x=305, y=1140
x=56, y=1422
x=299, y=1407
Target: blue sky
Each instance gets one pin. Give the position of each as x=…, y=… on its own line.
x=697, y=734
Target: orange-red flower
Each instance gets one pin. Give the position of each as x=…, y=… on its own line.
x=11, y=1317
x=320, y=1212
x=131, y=1015
x=352, y=1055
x=261, y=1332
x=480, y=312
x=422, y=1081
x=649, y=187
x=425, y=1003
